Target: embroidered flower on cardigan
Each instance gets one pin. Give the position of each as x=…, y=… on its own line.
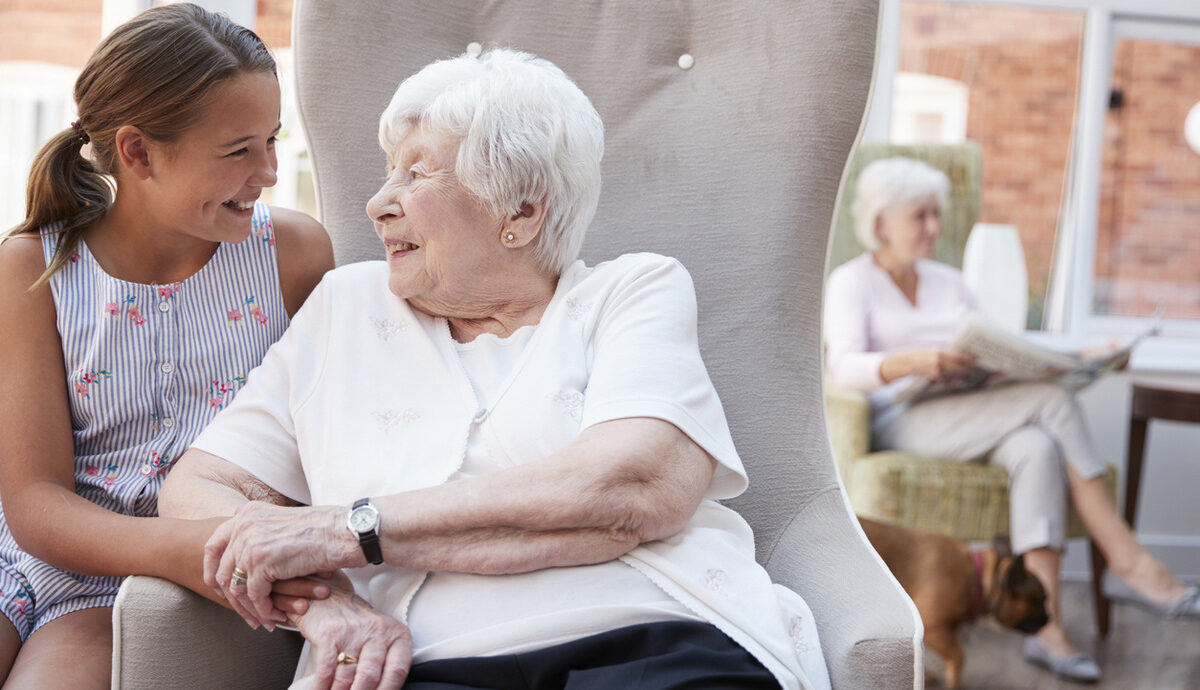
x=570, y=401
x=713, y=580
x=386, y=328
x=575, y=308
x=796, y=632
x=387, y=419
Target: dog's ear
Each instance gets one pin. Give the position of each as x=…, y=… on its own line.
x=1002, y=546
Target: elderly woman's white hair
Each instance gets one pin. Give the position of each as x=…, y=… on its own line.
x=889, y=183
x=526, y=133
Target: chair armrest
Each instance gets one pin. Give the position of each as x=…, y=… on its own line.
x=166, y=636
x=870, y=630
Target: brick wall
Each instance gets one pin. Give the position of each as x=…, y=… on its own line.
x=62, y=32
x=1148, y=239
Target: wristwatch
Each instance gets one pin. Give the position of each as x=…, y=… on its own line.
x=363, y=522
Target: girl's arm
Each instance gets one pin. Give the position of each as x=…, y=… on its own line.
x=305, y=254
x=37, y=474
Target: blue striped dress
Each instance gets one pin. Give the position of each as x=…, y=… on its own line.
x=148, y=366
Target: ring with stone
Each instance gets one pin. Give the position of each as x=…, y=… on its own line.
x=240, y=577
x=344, y=658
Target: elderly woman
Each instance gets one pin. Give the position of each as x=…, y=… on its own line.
x=526, y=450
x=889, y=314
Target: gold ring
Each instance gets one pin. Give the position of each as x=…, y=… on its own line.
x=239, y=577
x=344, y=658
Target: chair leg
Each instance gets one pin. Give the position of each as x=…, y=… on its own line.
x=1099, y=565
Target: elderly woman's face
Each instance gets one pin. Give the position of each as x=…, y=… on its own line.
x=908, y=232
x=439, y=237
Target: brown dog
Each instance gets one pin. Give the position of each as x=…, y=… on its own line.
x=952, y=585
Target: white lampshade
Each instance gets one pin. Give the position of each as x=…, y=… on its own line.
x=994, y=269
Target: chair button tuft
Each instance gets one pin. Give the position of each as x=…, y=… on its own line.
x=474, y=48
x=686, y=61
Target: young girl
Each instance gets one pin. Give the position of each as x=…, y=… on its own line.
x=144, y=284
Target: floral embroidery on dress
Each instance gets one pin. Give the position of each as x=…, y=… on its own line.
x=713, y=580
x=110, y=472
x=233, y=317
x=390, y=418
x=570, y=401
x=265, y=232
x=575, y=308
x=386, y=328
x=220, y=392
x=74, y=256
x=156, y=465
x=20, y=598
x=126, y=306
x=796, y=632
x=83, y=380
x=153, y=421
x=135, y=315
x=168, y=291
x=256, y=312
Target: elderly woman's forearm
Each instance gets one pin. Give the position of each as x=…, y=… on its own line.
x=622, y=483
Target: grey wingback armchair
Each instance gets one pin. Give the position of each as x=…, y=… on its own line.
x=728, y=128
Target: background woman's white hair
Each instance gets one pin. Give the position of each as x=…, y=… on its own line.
x=891, y=182
x=527, y=133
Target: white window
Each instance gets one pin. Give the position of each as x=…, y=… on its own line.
x=35, y=104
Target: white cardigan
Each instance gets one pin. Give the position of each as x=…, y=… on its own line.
x=364, y=396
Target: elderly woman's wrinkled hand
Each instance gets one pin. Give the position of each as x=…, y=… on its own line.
x=264, y=543
x=354, y=645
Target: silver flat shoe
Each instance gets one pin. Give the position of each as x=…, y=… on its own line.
x=1078, y=667
x=1187, y=605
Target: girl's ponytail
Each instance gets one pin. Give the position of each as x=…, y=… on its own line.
x=65, y=187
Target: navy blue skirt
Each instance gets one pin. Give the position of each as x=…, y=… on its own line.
x=673, y=655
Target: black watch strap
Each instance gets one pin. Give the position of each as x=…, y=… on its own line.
x=370, y=546
x=369, y=541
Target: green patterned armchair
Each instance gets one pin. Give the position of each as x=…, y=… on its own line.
x=963, y=500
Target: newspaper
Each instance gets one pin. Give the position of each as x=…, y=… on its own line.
x=1002, y=357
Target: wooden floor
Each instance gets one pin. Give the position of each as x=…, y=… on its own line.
x=1141, y=652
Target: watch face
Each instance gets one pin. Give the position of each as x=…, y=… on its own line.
x=364, y=519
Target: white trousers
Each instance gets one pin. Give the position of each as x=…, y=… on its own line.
x=1030, y=429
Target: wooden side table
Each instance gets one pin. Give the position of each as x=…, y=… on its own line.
x=1157, y=396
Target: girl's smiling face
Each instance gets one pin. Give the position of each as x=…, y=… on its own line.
x=210, y=177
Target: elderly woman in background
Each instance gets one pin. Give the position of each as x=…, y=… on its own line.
x=889, y=315
x=526, y=450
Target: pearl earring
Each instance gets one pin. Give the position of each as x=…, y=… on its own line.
x=510, y=238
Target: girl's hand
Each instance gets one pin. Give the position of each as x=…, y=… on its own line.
x=376, y=648
x=292, y=596
x=268, y=543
